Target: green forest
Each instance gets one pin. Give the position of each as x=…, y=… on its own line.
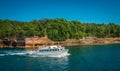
x=58, y=29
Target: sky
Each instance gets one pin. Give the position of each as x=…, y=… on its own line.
x=97, y=11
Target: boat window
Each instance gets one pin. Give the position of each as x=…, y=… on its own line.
x=45, y=50
x=48, y=49
x=55, y=49
x=52, y=49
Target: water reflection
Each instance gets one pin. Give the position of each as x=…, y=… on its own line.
x=48, y=64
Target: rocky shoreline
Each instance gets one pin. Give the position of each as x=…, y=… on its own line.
x=35, y=42
x=91, y=41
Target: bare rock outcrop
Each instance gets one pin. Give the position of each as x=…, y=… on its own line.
x=37, y=41
x=1, y=43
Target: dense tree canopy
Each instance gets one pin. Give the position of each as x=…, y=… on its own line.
x=58, y=29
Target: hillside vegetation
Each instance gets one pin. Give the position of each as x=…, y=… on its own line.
x=58, y=29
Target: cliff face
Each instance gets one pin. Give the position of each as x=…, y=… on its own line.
x=37, y=41
x=1, y=43
x=27, y=42
x=11, y=42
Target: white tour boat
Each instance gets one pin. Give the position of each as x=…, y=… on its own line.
x=52, y=51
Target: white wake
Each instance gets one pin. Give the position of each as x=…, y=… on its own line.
x=28, y=53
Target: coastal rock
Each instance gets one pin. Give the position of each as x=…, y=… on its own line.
x=1, y=43
x=37, y=41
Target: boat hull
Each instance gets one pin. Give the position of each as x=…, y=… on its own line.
x=53, y=53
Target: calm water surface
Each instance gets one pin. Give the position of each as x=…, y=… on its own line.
x=81, y=58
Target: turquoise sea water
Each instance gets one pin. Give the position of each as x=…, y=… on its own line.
x=81, y=58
